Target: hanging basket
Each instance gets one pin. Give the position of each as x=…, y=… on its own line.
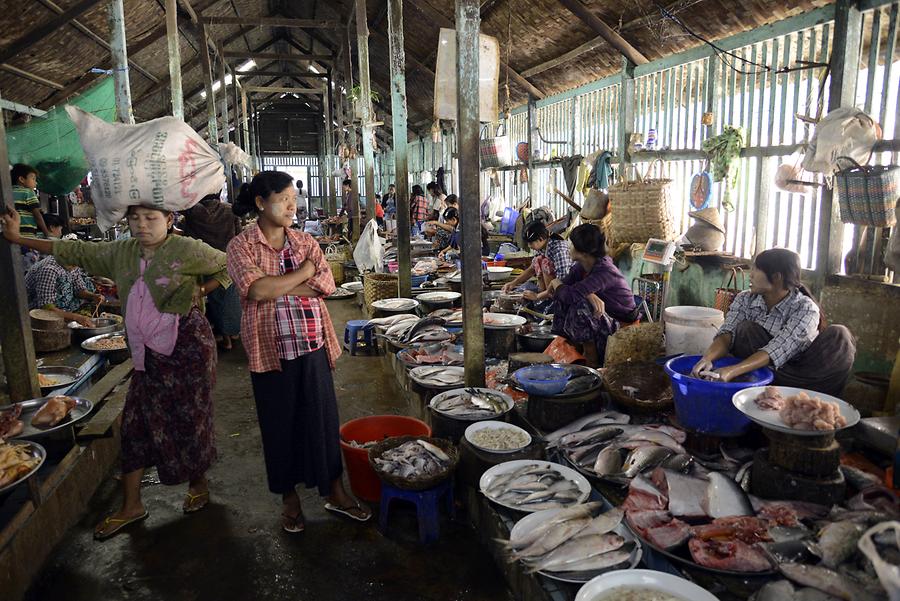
x=640, y=208
x=378, y=286
x=867, y=194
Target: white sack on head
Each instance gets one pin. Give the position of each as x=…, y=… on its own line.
x=161, y=164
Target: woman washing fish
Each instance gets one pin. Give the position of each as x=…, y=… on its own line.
x=593, y=297
x=777, y=324
x=283, y=278
x=167, y=421
x=553, y=260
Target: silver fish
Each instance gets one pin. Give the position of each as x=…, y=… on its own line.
x=598, y=562
x=593, y=420
x=724, y=498
x=826, y=580
x=575, y=550
x=609, y=461
x=659, y=438
x=678, y=463
x=779, y=590
x=686, y=494
x=644, y=457
x=589, y=436
x=524, y=538
x=837, y=542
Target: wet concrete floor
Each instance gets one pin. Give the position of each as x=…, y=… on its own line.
x=235, y=548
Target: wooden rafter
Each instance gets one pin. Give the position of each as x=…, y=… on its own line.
x=594, y=22
x=566, y=57
x=272, y=22
x=37, y=34
x=277, y=56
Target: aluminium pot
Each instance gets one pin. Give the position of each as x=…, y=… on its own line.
x=534, y=339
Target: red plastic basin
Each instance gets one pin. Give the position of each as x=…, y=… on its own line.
x=363, y=481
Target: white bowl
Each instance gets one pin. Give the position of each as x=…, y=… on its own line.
x=599, y=587
x=495, y=425
x=497, y=274
x=745, y=402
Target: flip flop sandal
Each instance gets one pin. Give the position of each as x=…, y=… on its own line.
x=346, y=511
x=293, y=524
x=190, y=499
x=118, y=525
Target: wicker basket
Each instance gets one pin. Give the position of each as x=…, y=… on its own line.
x=377, y=286
x=640, y=209
x=336, y=256
x=423, y=483
x=654, y=390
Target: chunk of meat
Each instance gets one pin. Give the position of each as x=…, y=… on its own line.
x=744, y=528
x=659, y=527
x=770, y=399
x=53, y=412
x=782, y=511
x=734, y=555
x=643, y=495
x=803, y=412
x=10, y=424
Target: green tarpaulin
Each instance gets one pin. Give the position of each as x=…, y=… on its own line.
x=50, y=143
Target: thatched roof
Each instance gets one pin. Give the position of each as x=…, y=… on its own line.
x=58, y=63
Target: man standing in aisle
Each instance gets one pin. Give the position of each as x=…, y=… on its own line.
x=435, y=201
x=347, y=189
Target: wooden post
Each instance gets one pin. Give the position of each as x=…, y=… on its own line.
x=213, y=128
x=845, y=48
x=367, y=129
x=174, y=58
x=532, y=108
x=626, y=114
x=325, y=168
x=468, y=23
x=245, y=120
x=354, y=163
x=235, y=104
x=399, y=117
x=15, y=325
x=223, y=103
x=120, y=61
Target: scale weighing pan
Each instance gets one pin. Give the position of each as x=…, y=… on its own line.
x=745, y=402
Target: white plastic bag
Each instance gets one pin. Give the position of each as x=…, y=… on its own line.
x=844, y=132
x=369, y=251
x=161, y=164
x=888, y=574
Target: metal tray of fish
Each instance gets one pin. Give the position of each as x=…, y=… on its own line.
x=576, y=372
x=439, y=377
x=533, y=519
x=502, y=321
x=395, y=304
x=341, y=293
x=57, y=376
x=448, y=353
x=489, y=404
x=81, y=410
x=681, y=556
x=493, y=475
x=36, y=451
x=745, y=402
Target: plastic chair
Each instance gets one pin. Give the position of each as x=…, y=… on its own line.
x=426, y=502
x=351, y=335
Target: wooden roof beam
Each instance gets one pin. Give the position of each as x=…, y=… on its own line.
x=272, y=22
x=616, y=41
x=280, y=90
x=33, y=77
x=566, y=57
x=277, y=56
x=37, y=34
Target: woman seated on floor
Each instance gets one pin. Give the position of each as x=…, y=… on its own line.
x=593, y=298
x=777, y=324
x=445, y=234
x=553, y=260
x=62, y=289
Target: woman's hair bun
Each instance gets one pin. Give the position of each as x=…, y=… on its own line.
x=263, y=184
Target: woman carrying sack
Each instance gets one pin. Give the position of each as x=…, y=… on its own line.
x=283, y=278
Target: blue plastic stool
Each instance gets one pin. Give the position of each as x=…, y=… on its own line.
x=351, y=335
x=426, y=502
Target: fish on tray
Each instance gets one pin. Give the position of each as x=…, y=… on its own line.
x=438, y=376
x=10, y=424
x=471, y=403
x=413, y=459
x=533, y=488
x=53, y=412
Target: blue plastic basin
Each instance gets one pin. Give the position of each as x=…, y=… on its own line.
x=542, y=380
x=705, y=406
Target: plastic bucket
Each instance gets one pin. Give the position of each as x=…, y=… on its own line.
x=363, y=481
x=690, y=330
x=704, y=406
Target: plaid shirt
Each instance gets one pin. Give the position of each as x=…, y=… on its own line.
x=298, y=320
x=419, y=207
x=793, y=323
x=49, y=283
x=558, y=253
x=250, y=257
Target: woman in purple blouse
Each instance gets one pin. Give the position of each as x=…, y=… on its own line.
x=594, y=297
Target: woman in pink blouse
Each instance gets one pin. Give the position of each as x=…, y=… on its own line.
x=282, y=277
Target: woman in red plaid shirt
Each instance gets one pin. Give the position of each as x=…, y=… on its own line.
x=282, y=278
x=418, y=208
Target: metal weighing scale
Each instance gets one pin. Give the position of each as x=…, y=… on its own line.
x=652, y=287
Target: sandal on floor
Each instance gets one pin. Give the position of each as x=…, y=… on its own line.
x=117, y=524
x=293, y=524
x=347, y=511
x=193, y=503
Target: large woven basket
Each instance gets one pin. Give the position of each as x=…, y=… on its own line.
x=336, y=256
x=423, y=483
x=639, y=209
x=377, y=286
x=653, y=389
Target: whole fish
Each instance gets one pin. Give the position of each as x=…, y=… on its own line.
x=609, y=461
x=421, y=324
x=392, y=319
x=604, y=522
x=581, y=384
x=524, y=538
x=593, y=420
x=837, y=542
x=576, y=550
x=659, y=438
x=597, y=562
x=504, y=479
x=643, y=458
x=678, y=463
x=589, y=436
x=724, y=498
x=779, y=590
x=826, y=580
